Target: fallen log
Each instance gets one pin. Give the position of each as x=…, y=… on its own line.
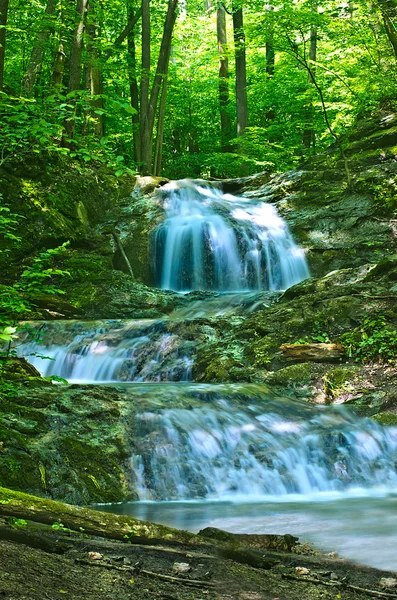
x=86, y=520
x=313, y=352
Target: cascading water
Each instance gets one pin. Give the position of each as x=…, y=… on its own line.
x=108, y=351
x=216, y=241
x=285, y=448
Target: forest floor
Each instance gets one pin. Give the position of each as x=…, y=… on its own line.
x=143, y=572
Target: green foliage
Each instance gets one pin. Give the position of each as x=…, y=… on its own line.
x=354, y=69
x=376, y=339
x=318, y=335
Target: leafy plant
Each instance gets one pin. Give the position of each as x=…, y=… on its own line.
x=376, y=339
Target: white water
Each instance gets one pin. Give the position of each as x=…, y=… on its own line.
x=285, y=450
x=107, y=352
x=216, y=241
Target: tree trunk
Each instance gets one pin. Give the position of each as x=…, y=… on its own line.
x=148, y=109
x=158, y=155
x=241, y=70
x=270, y=53
x=36, y=58
x=145, y=141
x=309, y=134
x=224, y=100
x=388, y=10
x=134, y=91
x=3, y=24
x=76, y=53
x=59, y=67
x=93, y=72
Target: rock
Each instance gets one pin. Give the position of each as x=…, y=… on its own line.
x=180, y=567
x=332, y=555
x=302, y=571
x=388, y=582
x=95, y=556
x=313, y=352
x=147, y=184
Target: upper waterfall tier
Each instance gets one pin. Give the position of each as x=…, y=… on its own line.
x=216, y=241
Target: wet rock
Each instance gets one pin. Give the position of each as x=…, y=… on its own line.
x=181, y=568
x=388, y=582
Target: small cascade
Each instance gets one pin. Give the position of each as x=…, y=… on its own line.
x=108, y=351
x=216, y=241
x=219, y=451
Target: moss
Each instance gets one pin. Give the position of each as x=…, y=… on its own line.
x=386, y=418
x=293, y=375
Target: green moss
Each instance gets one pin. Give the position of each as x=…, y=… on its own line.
x=293, y=375
x=386, y=418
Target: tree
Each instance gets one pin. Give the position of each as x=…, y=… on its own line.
x=75, y=58
x=389, y=10
x=148, y=103
x=36, y=58
x=241, y=70
x=309, y=134
x=3, y=25
x=224, y=99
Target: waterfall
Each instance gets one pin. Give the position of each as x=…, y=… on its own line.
x=215, y=241
x=220, y=452
x=108, y=351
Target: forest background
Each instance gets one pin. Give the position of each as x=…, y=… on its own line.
x=190, y=89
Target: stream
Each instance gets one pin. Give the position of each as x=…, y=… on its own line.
x=232, y=456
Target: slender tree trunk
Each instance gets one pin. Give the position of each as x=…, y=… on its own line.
x=145, y=141
x=93, y=72
x=3, y=24
x=158, y=155
x=59, y=66
x=309, y=134
x=36, y=58
x=223, y=82
x=270, y=53
x=241, y=70
x=76, y=53
x=147, y=120
x=124, y=34
x=388, y=9
x=76, y=50
x=134, y=91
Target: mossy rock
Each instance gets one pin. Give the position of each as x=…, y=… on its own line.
x=386, y=418
x=291, y=376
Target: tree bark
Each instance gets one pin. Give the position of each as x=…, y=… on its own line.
x=3, y=24
x=223, y=82
x=241, y=70
x=76, y=53
x=270, y=53
x=59, y=67
x=388, y=10
x=309, y=134
x=145, y=142
x=148, y=109
x=158, y=155
x=76, y=50
x=93, y=73
x=134, y=91
x=36, y=58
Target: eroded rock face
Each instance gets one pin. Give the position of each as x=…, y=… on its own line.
x=339, y=226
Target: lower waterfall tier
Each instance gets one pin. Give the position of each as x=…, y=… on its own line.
x=242, y=442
